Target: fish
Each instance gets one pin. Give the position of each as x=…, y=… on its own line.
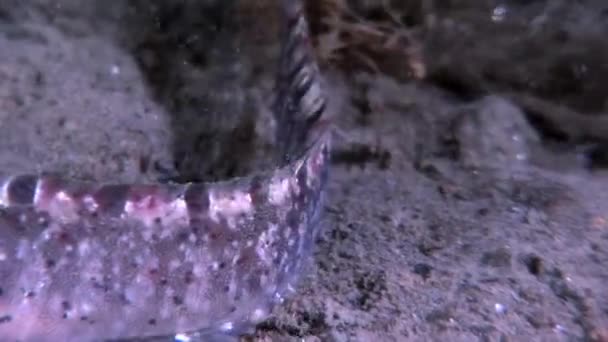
x=85, y=261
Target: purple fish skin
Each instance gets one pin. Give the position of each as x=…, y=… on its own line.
x=93, y=262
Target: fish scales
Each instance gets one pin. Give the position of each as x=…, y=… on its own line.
x=83, y=261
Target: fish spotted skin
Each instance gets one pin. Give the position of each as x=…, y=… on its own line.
x=99, y=262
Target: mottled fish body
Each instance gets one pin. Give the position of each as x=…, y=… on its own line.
x=92, y=262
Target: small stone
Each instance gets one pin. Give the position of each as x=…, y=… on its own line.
x=534, y=264
x=494, y=132
x=500, y=308
x=423, y=270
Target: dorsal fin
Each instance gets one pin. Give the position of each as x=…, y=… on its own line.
x=300, y=101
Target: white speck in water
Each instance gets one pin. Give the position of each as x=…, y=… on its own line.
x=23, y=219
x=227, y=326
x=4, y=194
x=258, y=314
x=63, y=196
x=90, y=203
x=40, y=285
x=3, y=256
x=559, y=328
x=499, y=13
x=86, y=308
x=279, y=298
x=182, y=338
x=42, y=220
x=500, y=308
x=114, y=70
x=84, y=248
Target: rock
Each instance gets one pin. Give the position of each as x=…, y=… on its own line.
x=493, y=132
